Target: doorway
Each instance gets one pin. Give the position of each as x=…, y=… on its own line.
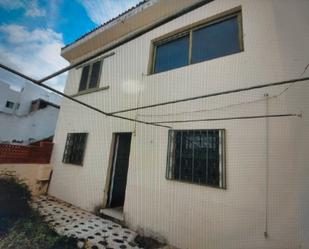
x=119, y=170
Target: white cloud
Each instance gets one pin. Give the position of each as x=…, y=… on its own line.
x=101, y=11
x=34, y=52
x=19, y=34
x=31, y=7
x=12, y=4
x=34, y=10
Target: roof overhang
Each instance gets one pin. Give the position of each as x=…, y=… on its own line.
x=132, y=21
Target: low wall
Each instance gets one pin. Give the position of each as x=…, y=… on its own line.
x=11, y=153
x=36, y=176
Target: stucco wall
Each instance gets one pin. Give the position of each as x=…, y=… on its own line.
x=8, y=94
x=276, y=35
x=34, y=175
x=34, y=126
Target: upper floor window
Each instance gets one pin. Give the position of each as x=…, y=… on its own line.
x=9, y=104
x=90, y=76
x=196, y=156
x=210, y=40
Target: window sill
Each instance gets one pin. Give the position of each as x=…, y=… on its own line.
x=197, y=184
x=90, y=91
x=73, y=164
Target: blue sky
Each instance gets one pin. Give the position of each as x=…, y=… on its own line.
x=32, y=33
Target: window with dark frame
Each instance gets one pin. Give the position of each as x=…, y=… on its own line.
x=197, y=156
x=213, y=39
x=9, y=104
x=172, y=54
x=75, y=148
x=90, y=76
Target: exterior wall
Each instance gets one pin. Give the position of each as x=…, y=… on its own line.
x=190, y=216
x=35, y=175
x=7, y=94
x=20, y=124
x=24, y=97
x=33, y=127
x=32, y=92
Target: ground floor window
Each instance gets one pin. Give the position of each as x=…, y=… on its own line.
x=9, y=104
x=197, y=156
x=75, y=148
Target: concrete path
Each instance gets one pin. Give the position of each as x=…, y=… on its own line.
x=90, y=229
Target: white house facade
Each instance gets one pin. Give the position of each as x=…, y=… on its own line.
x=27, y=115
x=9, y=99
x=227, y=177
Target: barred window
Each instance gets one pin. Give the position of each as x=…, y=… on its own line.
x=75, y=148
x=196, y=156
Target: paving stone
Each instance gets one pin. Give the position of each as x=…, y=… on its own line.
x=96, y=232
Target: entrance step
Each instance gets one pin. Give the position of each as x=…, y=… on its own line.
x=113, y=213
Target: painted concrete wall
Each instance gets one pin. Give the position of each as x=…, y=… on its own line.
x=34, y=175
x=32, y=92
x=19, y=123
x=24, y=97
x=276, y=36
x=8, y=94
x=33, y=127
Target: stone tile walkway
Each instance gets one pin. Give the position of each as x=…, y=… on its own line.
x=74, y=222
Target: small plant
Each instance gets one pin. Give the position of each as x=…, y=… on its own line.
x=32, y=233
x=20, y=226
x=97, y=210
x=147, y=242
x=14, y=196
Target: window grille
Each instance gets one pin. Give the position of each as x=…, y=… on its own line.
x=197, y=156
x=75, y=148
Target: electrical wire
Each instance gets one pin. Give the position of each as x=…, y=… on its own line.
x=75, y=100
x=228, y=118
x=208, y=110
x=291, y=85
x=113, y=114
x=260, y=86
x=265, y=98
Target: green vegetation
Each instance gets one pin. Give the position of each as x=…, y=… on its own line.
x=14, y=196
x=32, y=233
x=20, y=226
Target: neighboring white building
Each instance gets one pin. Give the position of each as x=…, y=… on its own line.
x=240, y=183
x=9, y=99
x=27, y=115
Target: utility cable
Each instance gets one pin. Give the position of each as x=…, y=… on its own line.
x=228, y=118
x=76, y=100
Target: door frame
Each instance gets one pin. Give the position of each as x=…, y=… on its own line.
x=111, y=167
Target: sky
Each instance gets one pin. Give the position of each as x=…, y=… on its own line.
x=32, y=33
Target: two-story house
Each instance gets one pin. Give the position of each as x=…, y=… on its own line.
x=226, y=171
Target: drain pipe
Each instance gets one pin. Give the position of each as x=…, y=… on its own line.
x=266, y=166
x=48, y=183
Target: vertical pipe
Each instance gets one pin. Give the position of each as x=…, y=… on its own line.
x=192, y=172
x=266, y=166
x=207, y=155
x=179, y=173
